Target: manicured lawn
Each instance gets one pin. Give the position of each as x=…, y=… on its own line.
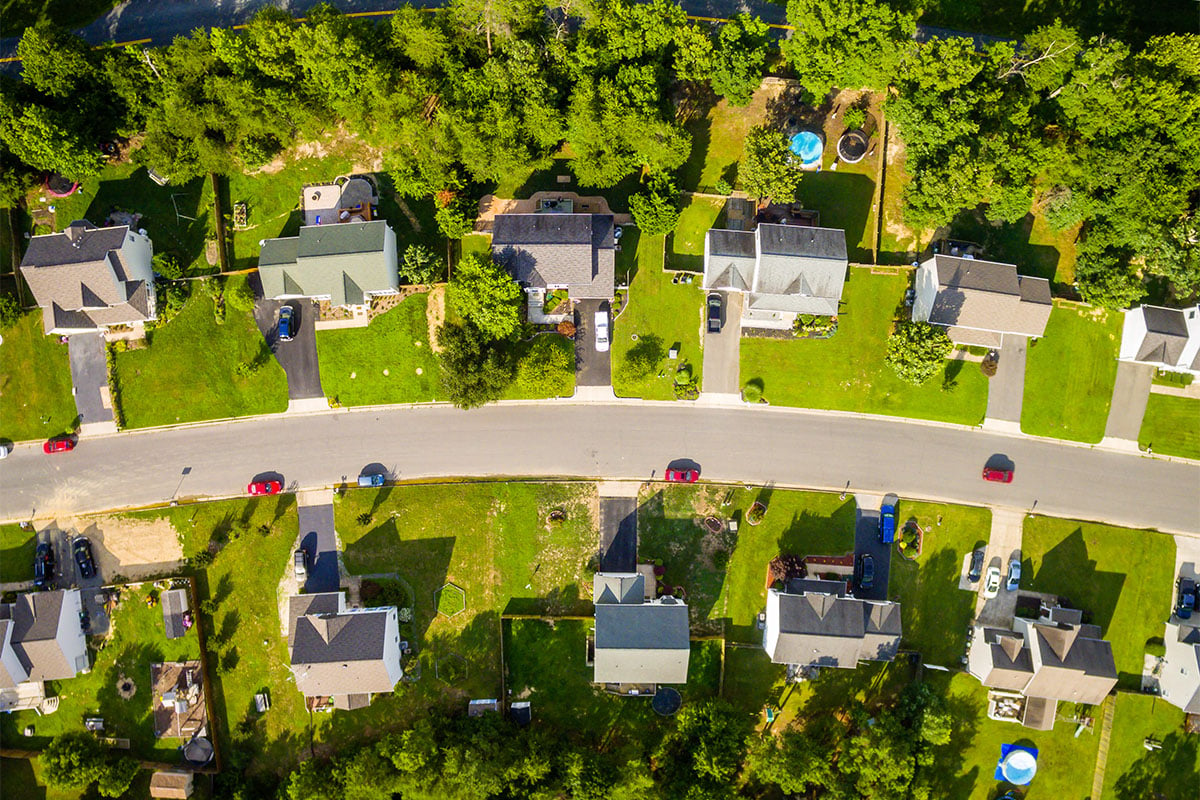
x=476, y=243
x=545, y=368
x=35, y=383
x=354, y=361
x=1069, y=375
x=17, y=547
x=661, y=314
x=1172, y=772
x=1119, y=576
x=686, y=243
x=845, y=198
x=724, y=575
x=848, y=372
x=189, y=370
x=1171, y=426
x=936, y=612
x=1030, y=243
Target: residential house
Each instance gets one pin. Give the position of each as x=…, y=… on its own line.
x=782, y=270
x=639, y=642
x=549, y=250
x=41, y=639
x=1055, y=657
x=978, y=302
x=1167, y=338
x=87, y=278
x=342, y=656
x=1179, y=678
x=344, y=265
x=348, y=199
x=815, y=623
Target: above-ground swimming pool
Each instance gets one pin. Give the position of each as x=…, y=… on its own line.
x=807, y=146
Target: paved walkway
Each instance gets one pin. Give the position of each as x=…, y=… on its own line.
x=1004, y=544
x=1191, y=390
x=1006, y=390
x=1131, y=392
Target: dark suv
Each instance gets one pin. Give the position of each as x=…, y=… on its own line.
x=82, y=550
x=43, y=565
x=976, y=570
x=714, y=313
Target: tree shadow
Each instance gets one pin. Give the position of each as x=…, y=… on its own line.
x=627, y=261
x=563, y=599
x=1009, y=242
x=700, y=127
x=1168, y=773
x=18, y=772
x=844, y=200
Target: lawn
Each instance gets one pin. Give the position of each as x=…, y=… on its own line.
x=1171, y=773
x=22, y=780
x=36, y=400
x=189, y=371
x=898, y=243
x=686, y=244
x=1120, y=577
x=846, y=199
x=936, y=612
x=718, y=137
x=724, y=575
x=1069, y=375
x=526, y=182
x=389, y=361
x=661, y=314
x=1030, y=243
x=1171, y=426
x=17, y=547
x=847, y=372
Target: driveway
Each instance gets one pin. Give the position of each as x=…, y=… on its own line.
x=89, y=375
x=618, y=534
x=1004, y=544
x=1006, y=389
x=866, y=542
x=299, y=356
x=592, y=368
x=721, y=350
x=1131, y=393
x=318, y=538
x=68, y=576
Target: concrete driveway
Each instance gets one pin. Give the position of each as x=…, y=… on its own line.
x=318, y=538
x=1006, y=389
x=298, y=357
x=618, y=534
x=592, y=367
x=1004, y=545
x=866, y=542
x=722, y=350
x=89, y=376
x=1131, y=393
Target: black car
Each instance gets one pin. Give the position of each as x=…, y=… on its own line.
x=82, y=548
x=43, y=565
x=976, y=570
x=866, y=566
x=714, y=313
x=1187, y=598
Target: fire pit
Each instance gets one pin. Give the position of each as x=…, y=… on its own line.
x=126, y=688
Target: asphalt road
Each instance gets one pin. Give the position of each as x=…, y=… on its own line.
x=612, y=440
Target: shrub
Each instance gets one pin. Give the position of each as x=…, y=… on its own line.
x=656, y=211
x=420, y=265
x=855, y=118
x=723, y=187
x=167, y=266
x=567, y=328
x=917, y=351
x=752, y=392
x=239, y=294
x=10, y=311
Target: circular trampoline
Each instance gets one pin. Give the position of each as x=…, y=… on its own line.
x=198, y=751
x=666, y=701
x=58, y=186
x=852, y=146
x=807, y=146
x=1019, y=767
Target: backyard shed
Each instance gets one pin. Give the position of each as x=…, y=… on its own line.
x=174, y=608
x=171, y=784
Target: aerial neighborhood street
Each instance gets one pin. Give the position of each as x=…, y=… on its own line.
x=619, y=399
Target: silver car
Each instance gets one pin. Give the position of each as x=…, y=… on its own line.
x=300, y=564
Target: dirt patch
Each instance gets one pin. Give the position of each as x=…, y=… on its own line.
x=133, y=548
x=369, y=159
x=435, y=314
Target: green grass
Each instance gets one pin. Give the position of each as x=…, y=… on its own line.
x=1069, y=375
x=718, y=138
x=936, y=612
x=398, y=342
x=188, y=371
x=35, y=383
x=687, y=242
x=1172, y=773
x=898, y=243
x=22, y=780
x=526, y=182
x=845, y=198
x=1030, y=243
x=847, y=372
x=17, y=547
x=1171, y=426
x=662, y=315
x=476, y=243
x=1119, y=576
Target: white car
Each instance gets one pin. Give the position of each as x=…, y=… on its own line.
x=1014, y=575
x=991, y=585
x=601, y=331
x=4, y=450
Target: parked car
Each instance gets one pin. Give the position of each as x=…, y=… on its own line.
x=682, y=475
x=300, y=564
x=82, y=550
x=976, y=569
x=866, y=571
x=887, y=519
x=1187, y=598
x=714, y=312
x=601, y=331
x=59, y=444
x=991, y=586
x=287, y=324
x=997, y=475
x=1014, y=575
x=5, y=449
x=376, y=480
x=263, y=487
x=43, y=564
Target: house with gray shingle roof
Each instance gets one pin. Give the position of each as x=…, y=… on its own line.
x=87, y=278
x=549, y=251
x=41, y=639
x=1179, y=679
x=638, y=641
x=978, y=302
x=815, y=623
x=783, y=271
x=1167, y=338
x=341, y=656
x=345, y=264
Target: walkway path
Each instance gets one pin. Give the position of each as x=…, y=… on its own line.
x=1110, y=707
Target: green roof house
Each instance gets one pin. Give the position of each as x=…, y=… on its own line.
x=344, y=264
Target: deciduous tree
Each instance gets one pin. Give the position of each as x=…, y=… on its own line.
x=917, y=351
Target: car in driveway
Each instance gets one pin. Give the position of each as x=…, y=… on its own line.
x=43, y=564
x=866, y=571
x=714, y=312
x=300, y=564
x=681, y=475
x=997, y=475
x=1187, y=598
x=601, y=331
x=991, y=583
x=1014, y=576
x=258, y=488
x=59, y=444
x=286, y=329
x=81, y=549
x=975, y=571
x=887, y=519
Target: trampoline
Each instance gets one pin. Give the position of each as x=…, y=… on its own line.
x=198, y=751
x=852, y=146
x=807, y=146
x=666, y=701
x=58, y=186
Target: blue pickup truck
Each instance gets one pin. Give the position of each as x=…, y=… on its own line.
x=887, y=519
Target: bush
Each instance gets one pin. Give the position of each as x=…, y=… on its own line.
x=656, y=211
x=855, y=118
x=917, y=351
x=10, y=311
x=420, y=265
x=752, y=392
x=566, y=328
x=723, y=187
x=167, y=266
x=238, y=293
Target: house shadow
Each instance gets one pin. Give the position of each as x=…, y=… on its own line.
x=177, y=217
x=1094, y=592
x=844, y=200
x=627, y=260
x=1009, y=242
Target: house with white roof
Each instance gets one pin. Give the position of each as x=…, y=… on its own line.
x=1166, y=338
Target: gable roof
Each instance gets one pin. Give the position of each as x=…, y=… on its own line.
x=337, y=652
x=832, y=630
x=573, y=250
x=34, y=625
x=618, y=587
x=642, y=643
x=783, y=268
x=988, y=295
x=343, y=262
x=1166, y=335
x=1179, y=681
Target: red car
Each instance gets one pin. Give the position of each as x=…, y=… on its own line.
x=682, y=475
x=997, y=475
x=263, y=487
x=61, y=444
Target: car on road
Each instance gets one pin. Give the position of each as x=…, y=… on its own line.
x=601, y=331
x=866, y=571
x=975, y=571
x=991, y=585
x=287, y=324
x=1187, y=598
x=682, y=475
x=1014, y=576
x=43, y=564
x=300, y=564
x=997, y=475
x=368, y=481
x=81, y=548
x=5, y=449
x=887, y=519
x=263, y=488
x=714, y=312
x=59, y=444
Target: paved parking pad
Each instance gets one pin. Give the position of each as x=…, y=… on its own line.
x=592, y=367
x=298, y=357
x=89, y=376
x=722, y=350
x=866, y=541
x=618, y=534
x=318, y=538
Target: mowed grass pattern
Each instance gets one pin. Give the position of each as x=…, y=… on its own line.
x=1171, y=426
x=17, y=547
x=35, y=383
x=1172, y=772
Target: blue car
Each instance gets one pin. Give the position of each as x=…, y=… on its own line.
x=887, y=519
x=287, y=327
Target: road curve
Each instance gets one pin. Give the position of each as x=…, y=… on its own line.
x=603, y=440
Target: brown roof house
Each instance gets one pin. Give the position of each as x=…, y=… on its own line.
x=171, y=784
x=545, y=251
x=978, y=302
x=1055, y=657
x=814, y=623
x=1167, y=338
x=87, y=278
x=41, y=640
x=639, y=643
x=341, y=656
